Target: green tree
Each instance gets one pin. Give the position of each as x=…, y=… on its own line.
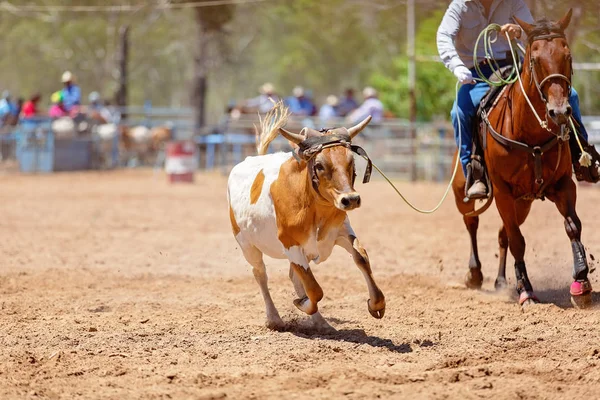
x=435, y=84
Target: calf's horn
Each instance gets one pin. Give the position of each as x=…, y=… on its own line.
x=292, y=137
x=356, y=129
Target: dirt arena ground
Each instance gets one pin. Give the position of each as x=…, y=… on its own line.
x=118, y=285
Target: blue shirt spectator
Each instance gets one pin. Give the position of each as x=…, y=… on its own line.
x=328, y=111
x=347, y=103
x=71, y=93
x=265, y=102
x=5, y=104
x=371, y=106
x=299, y=104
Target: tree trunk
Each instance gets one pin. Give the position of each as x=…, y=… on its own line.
x=122, y=59
x=200, y=83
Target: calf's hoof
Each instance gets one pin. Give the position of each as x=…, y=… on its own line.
x=581, y=294
x=474, y=278
x=305, y=305
x=376, y=313
x=275, y=324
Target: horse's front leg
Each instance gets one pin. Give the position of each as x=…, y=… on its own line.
x=513, y=214
x=347, y=239
x=503, y=247
x=565, y=199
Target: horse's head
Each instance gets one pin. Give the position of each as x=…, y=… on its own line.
x=549, y=59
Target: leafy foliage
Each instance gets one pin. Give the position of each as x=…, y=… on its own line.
x=325, y=46
x=435, y=85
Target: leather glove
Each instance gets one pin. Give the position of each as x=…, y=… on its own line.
x=463, y=74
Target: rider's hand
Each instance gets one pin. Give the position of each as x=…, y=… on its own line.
x=514, y=31
x=463, y=74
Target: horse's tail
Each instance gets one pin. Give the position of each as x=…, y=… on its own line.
x=269, y=125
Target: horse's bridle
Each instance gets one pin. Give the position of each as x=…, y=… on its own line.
x=539, y=85
x=537, y=151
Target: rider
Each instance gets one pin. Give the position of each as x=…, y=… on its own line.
x=456, y=39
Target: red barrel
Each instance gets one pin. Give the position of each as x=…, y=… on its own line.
x=181, y=161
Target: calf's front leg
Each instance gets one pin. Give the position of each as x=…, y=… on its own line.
x=348, y=240
x=300, y=268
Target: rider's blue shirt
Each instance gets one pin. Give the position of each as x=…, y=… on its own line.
x=465, y=19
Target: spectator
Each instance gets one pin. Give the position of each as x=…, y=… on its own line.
x=71, y=93
x=57, y=109
x=328, y=110
x=371, y=106
x=5, y=105
x=98, y=110
x=264, y=102
x=111, y=113
x=347, y=103
x=30, y=108
x=95, y=101
x=299, y=104
x=12, y=119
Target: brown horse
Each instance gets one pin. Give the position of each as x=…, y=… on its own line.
x=530, y=159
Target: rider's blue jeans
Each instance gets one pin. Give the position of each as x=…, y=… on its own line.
x=465, y=108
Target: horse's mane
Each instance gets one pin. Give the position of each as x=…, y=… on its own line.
x=544, y=26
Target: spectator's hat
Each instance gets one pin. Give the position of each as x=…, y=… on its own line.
x=332, y=100
x=67, y=76
x=94, y=97
x=369, y=92
x=56, y=97
x=298, y=91
x=267, y=88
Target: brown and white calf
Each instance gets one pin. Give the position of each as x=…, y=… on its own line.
x=295, y=208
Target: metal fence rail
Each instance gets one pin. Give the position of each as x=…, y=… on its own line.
x=389, y=144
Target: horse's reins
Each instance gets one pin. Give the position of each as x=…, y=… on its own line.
x=536, y=151
x=310, y=147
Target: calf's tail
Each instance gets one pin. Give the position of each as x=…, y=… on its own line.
x=269, y=125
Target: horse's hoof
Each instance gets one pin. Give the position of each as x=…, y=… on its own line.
x=376, y=313
x=527, y=299
x=500, y=284
x=583, y=301
x=581, y=294
x=305, y=305
x=474, y=279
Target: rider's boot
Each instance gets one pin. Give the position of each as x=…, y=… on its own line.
x=478, y=190
x=476, y=187
x=588, y=174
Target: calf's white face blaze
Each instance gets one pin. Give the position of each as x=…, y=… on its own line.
x=335, y=170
